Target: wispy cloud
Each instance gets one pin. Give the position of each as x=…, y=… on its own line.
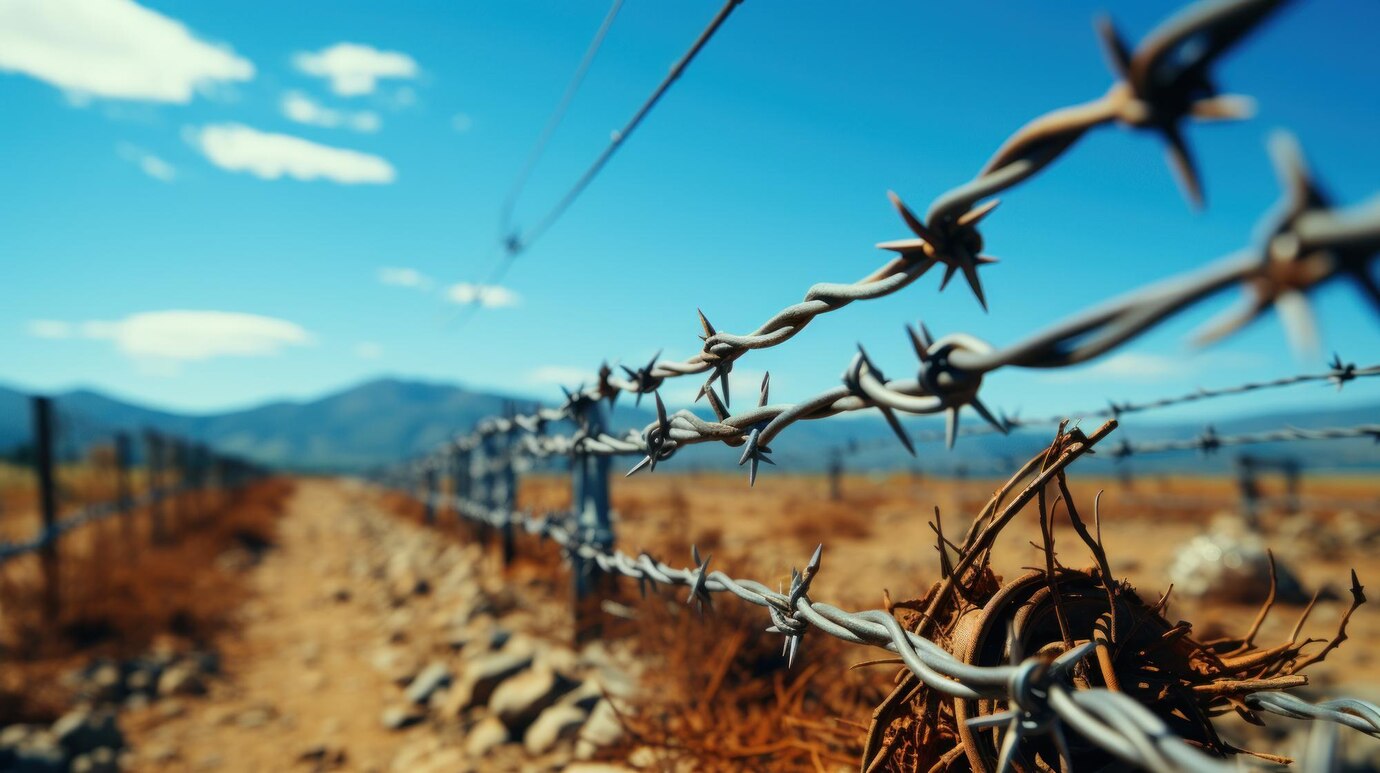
x=461, y=122
x=239, y=148
x=116, y=49
x=184, y=335
x=355, y=69
x=49, y=328
x=560, y=375
x=405, y=277
x=1144, y=367
x=148, y=163
x=368, y=350
x=487, y=296
x=303, y=109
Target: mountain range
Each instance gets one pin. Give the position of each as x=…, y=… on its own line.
x=383, y=421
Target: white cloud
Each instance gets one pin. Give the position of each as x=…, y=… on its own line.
x=302, y=109
x=461, y=122
x=488, y=296
x=560, y=375
x=368, y=350
x=151, y=165
x=239, y=148
x=115, y=49
x=1127, y=366
x=49, y=328
x=405, y=277
x=197, y=335
x=355, y=69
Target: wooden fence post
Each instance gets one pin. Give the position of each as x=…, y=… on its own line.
x=835, y=474
x=123, y=498
x=47, y=502
x=1250, y=491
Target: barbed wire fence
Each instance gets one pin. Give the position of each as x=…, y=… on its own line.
x=1163, y=82
x=177, y=474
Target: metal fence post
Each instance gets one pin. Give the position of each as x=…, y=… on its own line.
x=479, y=480
x=460, y=480
x=507, y=486
x=153, y=461
x=429, y=477
x=1292, y=475
x=593, y=523
x=47, y=502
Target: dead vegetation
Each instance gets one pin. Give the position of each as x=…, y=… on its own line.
x=119, y=594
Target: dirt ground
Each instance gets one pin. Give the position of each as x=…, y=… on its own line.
x=300, y=683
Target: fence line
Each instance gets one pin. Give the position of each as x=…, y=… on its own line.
x=1164, y=81
x=193, y=466
x=1033, y=687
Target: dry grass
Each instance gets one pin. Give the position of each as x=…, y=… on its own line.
x=119, y=593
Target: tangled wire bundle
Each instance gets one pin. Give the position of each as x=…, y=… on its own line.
x=1047, y=612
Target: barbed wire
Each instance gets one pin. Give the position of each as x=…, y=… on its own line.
x=1165, y=81
x=1209, y=441
x=1035, y=689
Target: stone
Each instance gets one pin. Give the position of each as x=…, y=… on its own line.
x=84, y=730
x=432, y=678
x=98, y=761
x=39, y=752
x=601, y=729
x=482, y=676
x=256, y=716
x=558, y=723
x=323, y=754
x=518, y=701
x=485, y=736
x=401, y=716
x=160, y=753
x=181, y=679
x=396, y=664
x=142, y=681
x=585, y=695
x=107, y=684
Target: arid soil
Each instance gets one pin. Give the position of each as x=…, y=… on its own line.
x=357, y=598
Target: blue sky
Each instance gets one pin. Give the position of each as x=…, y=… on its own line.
x=158, y=243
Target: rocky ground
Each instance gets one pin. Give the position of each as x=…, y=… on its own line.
x=371, y=643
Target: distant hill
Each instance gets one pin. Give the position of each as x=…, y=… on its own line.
x=382, y=421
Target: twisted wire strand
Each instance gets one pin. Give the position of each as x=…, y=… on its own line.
x=1210, y=441
x=1113, y=721
x=1161, y=83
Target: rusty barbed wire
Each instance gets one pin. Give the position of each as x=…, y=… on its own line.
x=1037, y=689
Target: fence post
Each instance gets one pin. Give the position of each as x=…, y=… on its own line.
x=593, y=523
x=47, y=501
x=429, y=477
x=835, y=470
x=460, y=479
x=153, y=460
x=1250, y=492
x=507, y=486
x=479, y=482
x=1292, y=470
x=123, y=498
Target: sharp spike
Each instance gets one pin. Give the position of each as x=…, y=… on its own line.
x=1181, y=161
x=949, y=270
x=987, y=415
x=921, y=349
x=974, y=216
x=766, y=389
x=896, y=427
x=708, y=328
x=1118, y=55
x=912, y=221
x=970, y=273
x=950, y=426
